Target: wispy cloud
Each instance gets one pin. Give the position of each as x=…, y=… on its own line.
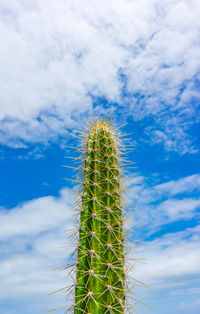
x=182, y=185
x=171, y=258
x=161, y=204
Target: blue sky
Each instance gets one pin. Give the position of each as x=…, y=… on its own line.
x=61, y=61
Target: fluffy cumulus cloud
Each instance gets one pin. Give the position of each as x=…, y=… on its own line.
x=57, y=57
x=30, y=238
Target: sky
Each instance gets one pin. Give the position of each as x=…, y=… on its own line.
x=61, y=62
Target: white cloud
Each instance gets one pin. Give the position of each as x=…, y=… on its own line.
x=31, y=235
x=176, y=209
x=149, y=193
x=164, y=203
x=172, y=137
x=55, y=56
x=23, y=220
x=182, y=185
x=171, y=270
x=170, y=260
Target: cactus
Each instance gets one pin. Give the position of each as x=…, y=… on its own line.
x=100, y=265
x=100, y=272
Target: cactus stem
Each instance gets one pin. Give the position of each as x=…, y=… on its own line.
x=102, y=251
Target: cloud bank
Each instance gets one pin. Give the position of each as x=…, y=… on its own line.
x=57, y=58
x=32, y=231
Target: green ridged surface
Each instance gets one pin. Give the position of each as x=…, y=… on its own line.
x=100, y=262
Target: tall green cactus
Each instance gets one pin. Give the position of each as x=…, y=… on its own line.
x=100, y=264
x=101, y=268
